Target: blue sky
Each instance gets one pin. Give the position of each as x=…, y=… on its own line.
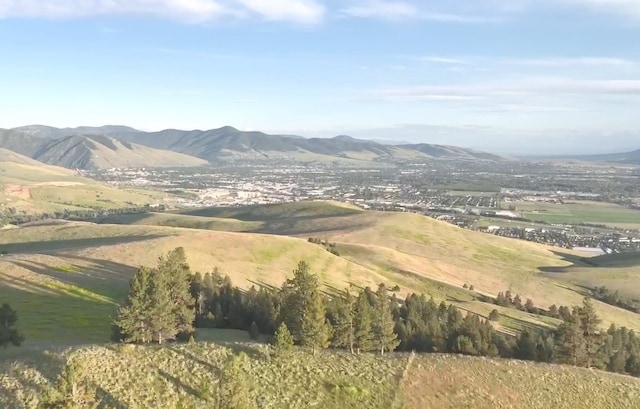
x=511, y=76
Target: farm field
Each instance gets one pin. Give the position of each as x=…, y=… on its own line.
x=581, y=212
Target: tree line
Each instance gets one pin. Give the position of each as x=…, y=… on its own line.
x=169, y=302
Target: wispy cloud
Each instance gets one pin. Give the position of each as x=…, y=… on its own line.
x=193, y=11
x=581, y=61
x=534, y=87
x=444, y=60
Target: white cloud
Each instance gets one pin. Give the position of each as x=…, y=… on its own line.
x=387, y=10
x=302, y=11
x=444, y=60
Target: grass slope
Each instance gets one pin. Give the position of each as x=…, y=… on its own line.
x=180, y=375
x=31, y=186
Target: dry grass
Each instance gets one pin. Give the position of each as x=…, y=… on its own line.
x=455, y=382
x=182, y=375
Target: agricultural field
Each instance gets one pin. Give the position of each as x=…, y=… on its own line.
x=576, y=212
x=189, y=375
x=85, y=267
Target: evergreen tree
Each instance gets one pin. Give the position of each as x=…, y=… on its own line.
x=254, y=333
x=134, y=318
x=176, y=274
x=383, y=329
x=159, y=305
x=72, y=390
x=8, y=334
x=344, y=323
x=364, y=337
x=305, y=310
x=494, y=315
x=526, y=347
x=590, y=326
x=282, y=341
x=571, y=343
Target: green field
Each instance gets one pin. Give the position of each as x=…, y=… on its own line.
x=188, y=376
x=581, y=212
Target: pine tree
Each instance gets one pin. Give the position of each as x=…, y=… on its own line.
x=134, y=318
x=254, y=333
x=571, y=343
x=8, y=334
x=383, y=329
x=282, y=340
x=364, y=338
x=304, y=309
x=175, y=273
x=590, y=326
x=344, y=323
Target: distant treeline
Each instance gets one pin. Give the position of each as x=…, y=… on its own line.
x=168, y=302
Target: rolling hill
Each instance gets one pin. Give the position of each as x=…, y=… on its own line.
x=100, y=152
x=88, y=266
x=34, y=187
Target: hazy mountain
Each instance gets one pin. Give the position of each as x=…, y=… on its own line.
x=223, y=143
x=99, y=152
x=20, y=142
x=49, y=132
x=228, y=142
x=443, y=151
x=632, y=158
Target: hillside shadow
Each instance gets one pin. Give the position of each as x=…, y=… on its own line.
x=53, y=247
x=618, y=260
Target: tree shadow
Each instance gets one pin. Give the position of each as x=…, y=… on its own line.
x=178, y=383
x=617, y=260
x=52, y=247
x=107, y=400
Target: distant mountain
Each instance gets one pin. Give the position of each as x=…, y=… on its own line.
x=214, y=145
x=444, y=151
x=49, y=132
x=632, y=158
x=100, y=152
x=229, y=142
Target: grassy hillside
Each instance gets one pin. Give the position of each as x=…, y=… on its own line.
x=186, y=375
x=416, y=252
x=88, y=266
x=31, y=186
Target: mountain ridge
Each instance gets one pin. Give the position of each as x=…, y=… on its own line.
x=222, y=144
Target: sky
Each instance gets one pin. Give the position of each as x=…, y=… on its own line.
x=509, y=76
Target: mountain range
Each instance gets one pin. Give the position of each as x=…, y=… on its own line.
x=121, y=146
